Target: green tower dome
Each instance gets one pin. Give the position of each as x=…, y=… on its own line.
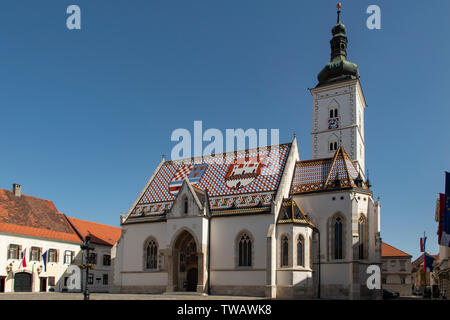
x=338, y=69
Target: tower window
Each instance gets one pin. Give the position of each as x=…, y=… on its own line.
x=333, y=146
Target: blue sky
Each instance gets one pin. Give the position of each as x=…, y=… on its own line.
x=86, y=115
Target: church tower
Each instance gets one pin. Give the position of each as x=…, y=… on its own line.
x=338, y=104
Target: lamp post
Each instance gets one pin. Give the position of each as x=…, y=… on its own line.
x=87, y=250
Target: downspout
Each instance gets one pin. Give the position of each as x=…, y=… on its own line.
x=209, y=244
x=318, y=233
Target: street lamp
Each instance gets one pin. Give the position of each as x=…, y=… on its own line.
x=87, y=253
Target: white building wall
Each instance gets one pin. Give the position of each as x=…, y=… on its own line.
x=54, y=269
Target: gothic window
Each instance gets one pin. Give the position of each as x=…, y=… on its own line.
x=152, y=255
x=333, y=146
x=245, y=251
x=185, y=205
x=285, y=251
x=301, y=251
x=338, y=238
x=362, y=237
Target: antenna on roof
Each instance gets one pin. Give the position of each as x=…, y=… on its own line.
x=164, y=157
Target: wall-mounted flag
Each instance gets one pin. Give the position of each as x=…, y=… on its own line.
x=44, y=258
x=445, y=234
x=23, y=256
x=428, y=263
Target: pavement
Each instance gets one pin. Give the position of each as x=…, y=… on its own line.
x=111, y=296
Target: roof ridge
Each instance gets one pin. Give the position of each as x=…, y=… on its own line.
x=227, y=153
x=99, y=223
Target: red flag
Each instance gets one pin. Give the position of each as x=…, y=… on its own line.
x=422, y=244
x=23, y=263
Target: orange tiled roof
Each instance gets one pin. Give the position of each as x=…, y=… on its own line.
x=390, y=251
x=31, y=216
x=100, y=233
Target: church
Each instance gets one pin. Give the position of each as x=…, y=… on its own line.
x=263, y=222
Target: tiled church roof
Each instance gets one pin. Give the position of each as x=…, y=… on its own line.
x=33, y=216
x=291, y=212
x=233, y=180
x=324, y=174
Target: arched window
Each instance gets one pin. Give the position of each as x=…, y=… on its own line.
x=331, y=113
x=284, y=251
x=245, y=251
x=186, y=205
x=338, y=238
x=336, y=113
x=152, y=255
x=362, y=237
x=300, y=251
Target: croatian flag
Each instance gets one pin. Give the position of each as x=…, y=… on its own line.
x=23, y=256
x=445, y=222
x=422, y=244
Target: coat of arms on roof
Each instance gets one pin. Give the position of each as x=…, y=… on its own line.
x=194, y=173
x=243, y=171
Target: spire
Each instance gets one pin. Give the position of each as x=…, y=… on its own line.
x=339, y=68
x=339, y=13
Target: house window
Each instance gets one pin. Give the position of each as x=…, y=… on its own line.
x=93, y=258
x=402, y=280
x=105, y=279
x=106, y=260
x=362, y=238
x=51, y=281
x=35, y=254
x=285, y=251
x=301, y=251
x=13, y=251
x=383, y=280
x=333, y=146
x=245, y=251
x=338, y=238
x=68, y=256
x=152, y=255
x=52, y=255
x=402, y=266
x=393, y=263
x=186, y=205
x=90, y=278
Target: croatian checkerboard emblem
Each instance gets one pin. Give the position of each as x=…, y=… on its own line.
x=193, y=172
x=243, y=171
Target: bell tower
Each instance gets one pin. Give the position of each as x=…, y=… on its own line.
x=338, y=104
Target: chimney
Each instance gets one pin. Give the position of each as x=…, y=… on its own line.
x=17, y=189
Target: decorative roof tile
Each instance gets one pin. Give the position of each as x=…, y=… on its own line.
x=323, y=174
x=291, y=212
x=245, y=178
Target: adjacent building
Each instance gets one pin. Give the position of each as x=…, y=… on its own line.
x=40, y=246
x=421, y=278
x=396, y=270
x=442, y=268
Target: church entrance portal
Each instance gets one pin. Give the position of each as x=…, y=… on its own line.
x=185, y=263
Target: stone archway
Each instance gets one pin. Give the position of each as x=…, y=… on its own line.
x=185, y=264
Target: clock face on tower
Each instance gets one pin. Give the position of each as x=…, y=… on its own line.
x=333, y=123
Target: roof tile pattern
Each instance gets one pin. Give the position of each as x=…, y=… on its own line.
x=323, y=174
x=255, y=186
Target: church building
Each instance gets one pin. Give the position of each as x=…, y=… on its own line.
x=263, y=222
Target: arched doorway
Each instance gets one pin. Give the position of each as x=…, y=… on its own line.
x=185, y=263
x=22, y=282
